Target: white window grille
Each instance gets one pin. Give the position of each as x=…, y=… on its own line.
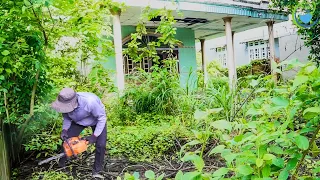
x=258, y=50
x=222, y=56
x=146, y=63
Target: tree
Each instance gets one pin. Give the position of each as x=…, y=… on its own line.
x=311, y=35
x=29, y=32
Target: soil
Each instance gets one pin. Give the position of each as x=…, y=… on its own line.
x=81, y=167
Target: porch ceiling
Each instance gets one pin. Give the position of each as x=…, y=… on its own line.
x=243, y=18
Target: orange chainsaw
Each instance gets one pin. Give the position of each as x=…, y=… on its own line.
x=72, y=147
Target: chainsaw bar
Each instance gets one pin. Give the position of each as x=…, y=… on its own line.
x=52, y=158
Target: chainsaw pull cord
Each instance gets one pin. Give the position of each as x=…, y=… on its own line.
x=71, y=148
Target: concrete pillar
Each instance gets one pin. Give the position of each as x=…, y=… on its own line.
x=233, y=32
x=117, y=38
x=204, y=62
x=230, y=53
x=272, y=49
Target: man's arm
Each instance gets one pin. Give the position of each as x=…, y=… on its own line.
x=98, y=111
x=66, y=122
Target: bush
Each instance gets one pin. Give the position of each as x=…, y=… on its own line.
x=155, y=92
x=143, y=143
x=243, y=71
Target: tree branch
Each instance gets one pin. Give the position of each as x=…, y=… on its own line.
x=39, y=22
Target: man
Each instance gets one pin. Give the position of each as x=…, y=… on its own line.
x=81, y=110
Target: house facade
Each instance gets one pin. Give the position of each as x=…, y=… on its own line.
x=253, y=44
x=202, y=20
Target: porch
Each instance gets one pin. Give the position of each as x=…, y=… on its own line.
x=201, y=20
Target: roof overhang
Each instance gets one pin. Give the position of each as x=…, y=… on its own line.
x=243, y=17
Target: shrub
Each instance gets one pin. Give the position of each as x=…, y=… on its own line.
x=143, y=143
x=156, y=92
x=244, y=70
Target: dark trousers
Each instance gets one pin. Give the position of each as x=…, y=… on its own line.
x=100, y=145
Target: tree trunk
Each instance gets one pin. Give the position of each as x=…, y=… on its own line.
x=4, y=160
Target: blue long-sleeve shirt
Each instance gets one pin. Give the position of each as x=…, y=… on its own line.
x=90, y=112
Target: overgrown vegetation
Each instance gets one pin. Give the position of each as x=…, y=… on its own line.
x=260, y=130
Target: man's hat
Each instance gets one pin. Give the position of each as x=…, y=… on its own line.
x=66, y=101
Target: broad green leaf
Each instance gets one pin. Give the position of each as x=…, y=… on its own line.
x=310, y=69
x=179, y=175
x=26, y=2
x=136, y=175
x=215, y=111
x=222, y=125
x=311, y=112
x=217, y=149
x=268, y=157
x=300, y=80
x=197, y=134
x=198, y=115
x=306, y=130
x=150, y=174
x=192, y=143
x=192, y=176
x=316, y=170
x=291, y=164
x=238, y=138
x=160, y=177
x=8, y=71
x=278, y=162
x=266, y=171
x=5, y=52
x=1, y=77
x=259, y=162
x=196, y=160
x=254, y=83
x=284, y=174
x=245, y=170
x=302, y=142
x=220, y=172
x=280, y=101
x=230, y=157
x=253, y=112
x=46, y=3
x=276, y=150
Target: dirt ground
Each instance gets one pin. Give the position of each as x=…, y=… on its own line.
x=81, y=167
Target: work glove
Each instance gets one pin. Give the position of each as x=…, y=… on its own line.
x=64, y=135
x=91, y=139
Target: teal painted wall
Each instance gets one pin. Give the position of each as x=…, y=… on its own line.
x=187, y=56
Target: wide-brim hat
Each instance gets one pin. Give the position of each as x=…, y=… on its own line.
x=66, y=101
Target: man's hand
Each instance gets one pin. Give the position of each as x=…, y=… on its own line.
x=64, y=134
x=91, y=139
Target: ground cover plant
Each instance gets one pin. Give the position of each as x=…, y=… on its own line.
x=156, y=129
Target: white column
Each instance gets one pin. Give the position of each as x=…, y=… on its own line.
x=230, y=53
x=117, y=38
x=272, y=49
x=204, y=62
x=233, y=32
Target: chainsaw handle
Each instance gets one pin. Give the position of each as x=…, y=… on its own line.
x=85, y=138
x=67, y=141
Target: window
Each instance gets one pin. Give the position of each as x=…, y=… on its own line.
x=258, y=50
x=256, y=53
x=263, y=53
x=222, y=56
x=146, y=63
